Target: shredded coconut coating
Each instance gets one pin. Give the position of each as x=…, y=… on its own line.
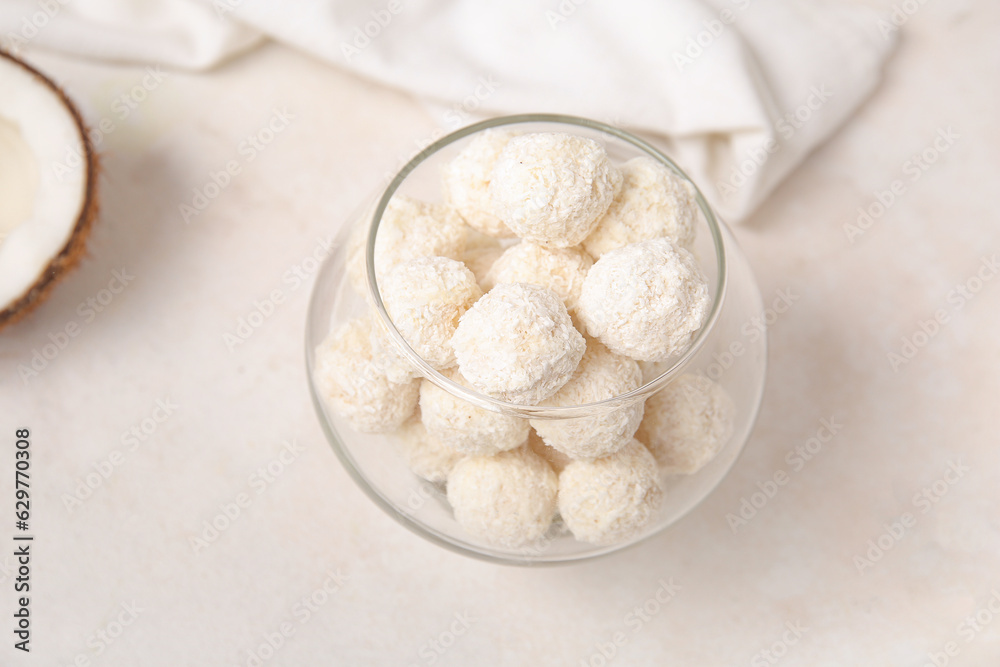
x=409, y=228
x=654, y=202
x=464, y=427
x=518, y=343
x=645, y=300
x=357, y=388
x=423, y=453
x=480, y=253
x=687, y=423
x=425, y=297
x=466, y=181
x=610, y=499
x=602, y=374
x=553, y=456
x=562, y=270
x=551, y=188
x=507, y=500
x=384, y=354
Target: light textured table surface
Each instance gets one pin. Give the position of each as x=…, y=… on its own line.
x=313, y=558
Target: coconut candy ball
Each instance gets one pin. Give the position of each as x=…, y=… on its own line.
x=610, y=499
x=653, y=202
x=409, y=228
x=480, y=260
x=426, y=456
x=466, y=181
x=560, y=269
x=480, y=253
x=465, y=428
x=355, y=387
x=384, y=355
x=518, y=344
x=687, y=423
x=601, y=374
x=645, y=300
x=507, y=499
x=425, y=297
x=556, y=459
x=551, y=188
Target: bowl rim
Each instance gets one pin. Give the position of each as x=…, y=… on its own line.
x=543, y=411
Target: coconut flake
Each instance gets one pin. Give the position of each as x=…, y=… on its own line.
x=507, y=499
x=425, y=297
x=687, y=423
x=465, y=427
x=654, y=202
x=645, y=300
x=560, y=269
x=357, y=388
x=409, y=229
x=551, y=188
x=602, y=374
x=466, y=181
x=518, y=343
x=610, y=499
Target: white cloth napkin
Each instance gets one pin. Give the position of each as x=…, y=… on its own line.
x=738, y=91
x=176, y=33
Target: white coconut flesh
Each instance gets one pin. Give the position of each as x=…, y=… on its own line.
x=18, y=178
x=42, y=198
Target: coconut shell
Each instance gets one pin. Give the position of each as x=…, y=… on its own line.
x=69, y=256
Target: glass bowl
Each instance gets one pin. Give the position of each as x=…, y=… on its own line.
x=729, y=349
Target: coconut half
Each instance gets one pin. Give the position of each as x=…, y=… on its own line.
x=48, y=179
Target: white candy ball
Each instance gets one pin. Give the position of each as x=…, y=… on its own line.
x=357, y=388
x=610, y=499
x=481, y=251
x=601, y=374
x=464, y=427
x=553, y=456
x=560, y=269
x=518, y=344
x=551, y=188
x=687, y=423
x=409, y=228
x=426, y=456
x=507, y=500
x=645, y=300
x=654, y=202
x=425, y=297
x=385, y=355
x=466, y=181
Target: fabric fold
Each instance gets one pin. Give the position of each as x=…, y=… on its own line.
x=738, y=91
